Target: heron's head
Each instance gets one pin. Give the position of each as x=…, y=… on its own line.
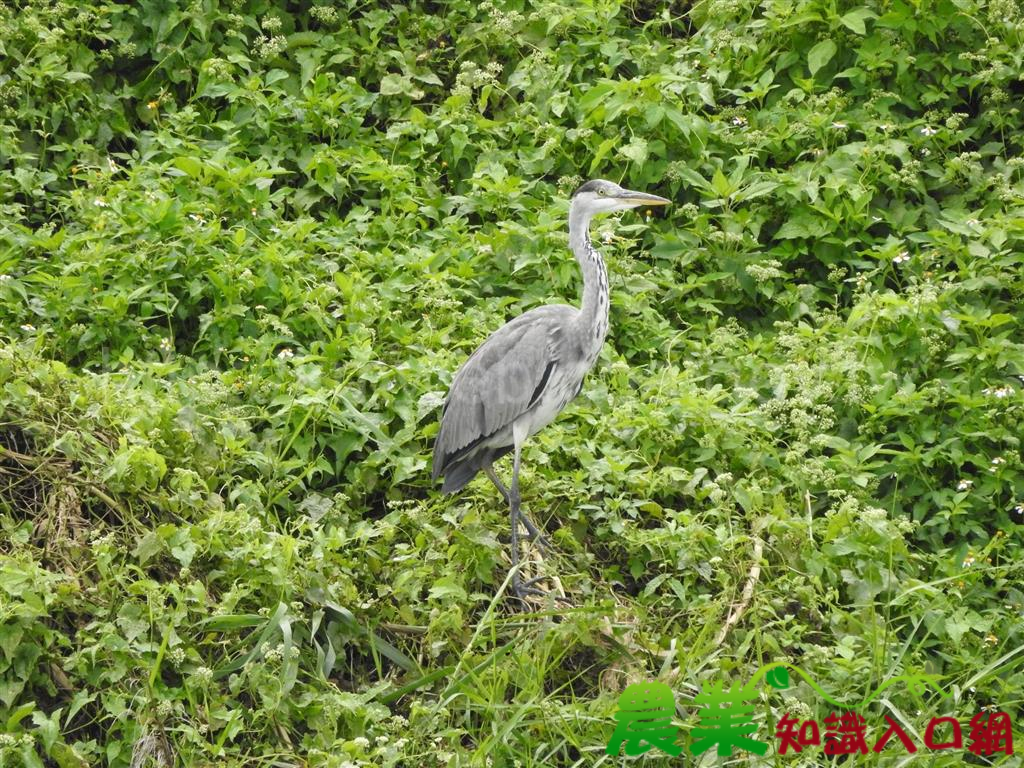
x=600, y=196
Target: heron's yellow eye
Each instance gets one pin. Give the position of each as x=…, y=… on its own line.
x=601, y=192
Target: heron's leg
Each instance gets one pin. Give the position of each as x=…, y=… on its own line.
x=489, y=469
x=534, y=531
x=514, y=515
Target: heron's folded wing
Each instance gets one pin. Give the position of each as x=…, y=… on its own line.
x=499, y=382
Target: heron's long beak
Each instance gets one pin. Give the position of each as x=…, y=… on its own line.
x=642, y=198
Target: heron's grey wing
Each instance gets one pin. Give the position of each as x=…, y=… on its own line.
x=500, y=381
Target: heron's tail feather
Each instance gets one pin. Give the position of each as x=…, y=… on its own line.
x=459, y=472
x=457, y=476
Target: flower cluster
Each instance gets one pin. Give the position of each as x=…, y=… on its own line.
x=325, y=14
x=501, y=22
x=472, y=77
x=268, y=46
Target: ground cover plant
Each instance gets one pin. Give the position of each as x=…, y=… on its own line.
x=245, y=244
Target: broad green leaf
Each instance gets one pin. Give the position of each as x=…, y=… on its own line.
x=706, y=93
x=720, y=184
x=66, y=757
x=855, y=19
x=394, y=85
x=820, y=55
x=148, y=545
x=19, y=714
x=189, y=165
x=635, y=150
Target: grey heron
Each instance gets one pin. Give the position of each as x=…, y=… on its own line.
x=527, y=371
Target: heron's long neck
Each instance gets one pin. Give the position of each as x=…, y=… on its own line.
x=593, y=317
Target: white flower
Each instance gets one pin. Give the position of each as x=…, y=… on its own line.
x=28, y=327
x=361, y=741
x=4, y=278
x=99, y=202
x=998, y=392
x=1019, y=509
x=198, y=219
x=285, y=353
x=112, y=165
x=998, y=460
x=739, y=121
x=973, y=222
x=969, y=560
x=964, y=485
x=929, y=131
x=165, y=344
x=838, y=125
x=607, y=236
x=205, y=674
x=901, y=257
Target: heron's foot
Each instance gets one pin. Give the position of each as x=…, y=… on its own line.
x=523, y=589
x=533, y=532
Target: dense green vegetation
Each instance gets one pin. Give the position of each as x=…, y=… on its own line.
x=245, y=244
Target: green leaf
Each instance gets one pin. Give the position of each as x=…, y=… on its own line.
x=593, y=97
x=18, y=715
x=290, y=655
x=428, y=77
x=447, y=588
x=636, y=151
x=602, y=150
x=269, y=627
x=855, y=19
x=707, y=95
x=803, y=226
x=395, y=85
x=378, y=643
x=720, y=184
x=66, y=757
x=275, y=76
x=419, y=682
x=29, y=757
x=189, y=165
x=231, y=622
x=957, y=626
x=820, y=55
x=149, y=545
